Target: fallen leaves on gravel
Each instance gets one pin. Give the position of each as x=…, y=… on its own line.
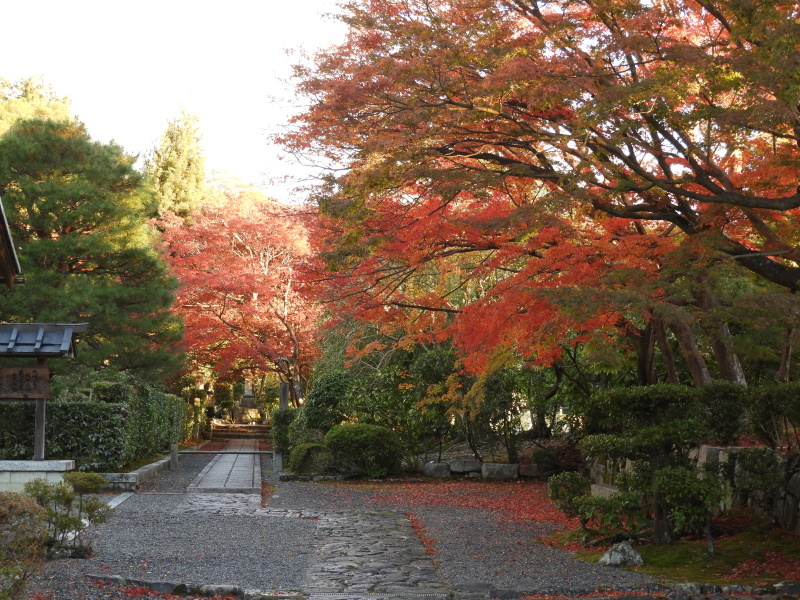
x=511, y=501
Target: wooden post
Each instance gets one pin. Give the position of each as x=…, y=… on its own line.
x=38, y=436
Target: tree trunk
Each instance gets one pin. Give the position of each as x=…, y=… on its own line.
x=784, y=371
x=645, y=342
x=694, y=360
x=660, y=334
x=729, y=366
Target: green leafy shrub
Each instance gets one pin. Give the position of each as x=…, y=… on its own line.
x=758, y=477
x=725, y=407
x=113, y=392
x=22, y=540
x=223, y=399
x=281, y=419
x=300, y=432
x=620, y=513
x=308, y=459
x=689, y=494
x=775, y=413
x=371, y=449
x=67, y=509
x=568, y=491
x=323, y=405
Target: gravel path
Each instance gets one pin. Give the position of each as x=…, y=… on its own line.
x=163, y=534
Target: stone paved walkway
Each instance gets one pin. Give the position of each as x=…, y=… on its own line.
x=231, y=473
x=357, y=554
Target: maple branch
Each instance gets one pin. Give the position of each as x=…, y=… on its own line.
x=421, y=307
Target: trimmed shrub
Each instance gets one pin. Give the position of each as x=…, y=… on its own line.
x=322, y=406
x=113, y=392
x=308, y=459
x=98, y=435
x=371, y=449
x=22, y=540
x=568, y=491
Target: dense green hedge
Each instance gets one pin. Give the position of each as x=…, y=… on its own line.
x=371, y=449
x=119, y=425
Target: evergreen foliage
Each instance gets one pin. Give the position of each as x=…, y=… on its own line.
x=177, y=168
x=371, y=449
x=75, y=207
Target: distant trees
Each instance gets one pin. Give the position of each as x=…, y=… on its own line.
x=242, y=294
x=176, y=168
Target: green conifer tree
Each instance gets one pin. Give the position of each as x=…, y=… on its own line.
x=177, y=168
x=75, y=207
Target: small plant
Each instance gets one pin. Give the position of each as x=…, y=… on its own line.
x=69, y=510
x=22, y=540
x=369, y=449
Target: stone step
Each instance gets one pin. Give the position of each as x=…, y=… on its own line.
x=238, y=435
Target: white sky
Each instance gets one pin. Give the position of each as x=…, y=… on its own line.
x=130, y=68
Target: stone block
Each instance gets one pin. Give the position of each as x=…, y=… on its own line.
x=37, y=465
x=530, y=471
x=465, y=465
x=604, y=490
x=499, y=471
x=436, y=469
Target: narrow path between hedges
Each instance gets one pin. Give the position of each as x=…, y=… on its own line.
x=231, y=473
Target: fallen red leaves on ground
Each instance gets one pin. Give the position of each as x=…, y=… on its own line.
x=513, y=501
x=601, y=594
x=213, y=445
x=777, y=565
x=422, y=533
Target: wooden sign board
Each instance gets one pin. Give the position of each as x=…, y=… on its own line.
x=20, y=383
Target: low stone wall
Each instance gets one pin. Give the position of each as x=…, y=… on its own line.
x=14, y=474
x=470, y=467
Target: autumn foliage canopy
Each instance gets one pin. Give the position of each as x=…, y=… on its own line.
x=531, y=174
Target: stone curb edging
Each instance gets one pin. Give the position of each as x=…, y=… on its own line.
x=127, y=482
x=678, y=591
x=170, y=587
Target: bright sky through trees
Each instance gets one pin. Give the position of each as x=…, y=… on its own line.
x=129, y=68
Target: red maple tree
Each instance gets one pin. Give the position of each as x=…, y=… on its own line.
x=529, y=173
x=243, y=303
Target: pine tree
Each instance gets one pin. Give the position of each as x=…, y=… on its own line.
x=177, y=168
x=75, y=207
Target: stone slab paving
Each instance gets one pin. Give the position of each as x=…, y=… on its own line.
x=355, y=554
x=231, y=473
